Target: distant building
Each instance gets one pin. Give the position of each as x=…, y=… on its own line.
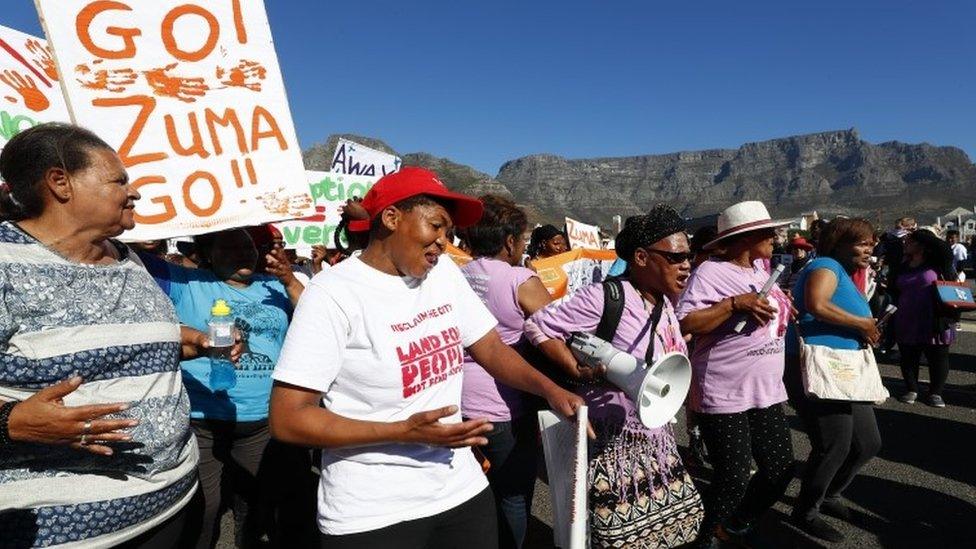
x=959, y=219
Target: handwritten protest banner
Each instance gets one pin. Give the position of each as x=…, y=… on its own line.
x=351, y=158
x=582, y=235
x=329, y=192
x=191, y=96
x=566, y=273
x=30, y=93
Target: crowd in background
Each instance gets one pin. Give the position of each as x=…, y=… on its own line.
x=392, y=363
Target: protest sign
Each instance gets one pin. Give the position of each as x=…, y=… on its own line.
x=564, y=445
x=582, y=235
x=566, y=273
x=354, y=159
x=457, y=255
x=30, y=93
x=190, y=95
x=329, y=192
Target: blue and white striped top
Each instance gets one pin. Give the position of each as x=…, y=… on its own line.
x=113, y=326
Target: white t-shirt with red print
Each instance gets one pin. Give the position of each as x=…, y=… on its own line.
x=382, y=348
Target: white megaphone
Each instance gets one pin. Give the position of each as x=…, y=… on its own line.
x=658, y=391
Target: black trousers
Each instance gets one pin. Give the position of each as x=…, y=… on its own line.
x=471, y=525
x=844, y=437
x=733, y=442
x=938, y=359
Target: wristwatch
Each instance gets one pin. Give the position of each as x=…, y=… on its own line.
x=5, y=410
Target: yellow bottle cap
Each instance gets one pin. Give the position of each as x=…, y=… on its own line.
x=220, y=308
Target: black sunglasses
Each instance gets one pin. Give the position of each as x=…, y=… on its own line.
x=673, y=258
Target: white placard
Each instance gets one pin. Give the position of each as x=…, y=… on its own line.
x=564, y=446
x=582, y=235
x=30, y=92
x=191, y=96
x=351, y=158
x=329, y=192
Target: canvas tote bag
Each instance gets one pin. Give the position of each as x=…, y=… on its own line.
x=837, y=374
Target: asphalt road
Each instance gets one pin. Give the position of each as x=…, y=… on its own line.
x=919, y=492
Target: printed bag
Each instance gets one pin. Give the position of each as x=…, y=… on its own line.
x=836, y=374
x=954, y=297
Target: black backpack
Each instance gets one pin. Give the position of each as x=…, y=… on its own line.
x=613, y=311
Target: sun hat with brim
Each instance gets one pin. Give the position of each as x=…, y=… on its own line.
x=744, y=217
x=413, y=181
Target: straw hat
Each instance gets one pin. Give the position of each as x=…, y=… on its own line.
x=744, y=217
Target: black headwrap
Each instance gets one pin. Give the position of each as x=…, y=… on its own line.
x=643, y=230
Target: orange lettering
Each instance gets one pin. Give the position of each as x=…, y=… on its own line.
x=169, y=212
x=239, y=23
x=196, y=147
x=83, y=25
x=218, y=197
x=229, y=119
x=169, y=41
x=146, y=106
x=273, y=131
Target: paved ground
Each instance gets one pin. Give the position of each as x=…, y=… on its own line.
x=920, y=492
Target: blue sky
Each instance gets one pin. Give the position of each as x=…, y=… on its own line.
x=489, y=81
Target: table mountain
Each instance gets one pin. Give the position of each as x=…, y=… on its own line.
x=832, y=172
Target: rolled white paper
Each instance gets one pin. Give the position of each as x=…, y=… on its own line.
x=765, y=292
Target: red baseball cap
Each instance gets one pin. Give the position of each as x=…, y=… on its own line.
x=358, y=225
x=412, y=181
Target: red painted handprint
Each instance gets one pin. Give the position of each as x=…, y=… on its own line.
x=179, y=87
x=113, y=80
x=247, y=74
x=41, y=57
x=34, y=99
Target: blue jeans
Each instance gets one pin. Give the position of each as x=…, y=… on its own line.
x=512, y=451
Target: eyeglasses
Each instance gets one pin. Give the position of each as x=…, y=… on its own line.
x=673, y=258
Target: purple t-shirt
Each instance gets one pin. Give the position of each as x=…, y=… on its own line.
x=915, y=322
x=496, y=283
x=582, y=313
x=735, y=372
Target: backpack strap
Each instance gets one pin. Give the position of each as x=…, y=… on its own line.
x=613, y=309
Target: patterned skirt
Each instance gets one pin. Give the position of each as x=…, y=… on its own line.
x=640, y=495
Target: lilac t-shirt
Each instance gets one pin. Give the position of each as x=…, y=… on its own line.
x=735, y=372
x=582, y=313
x=497, y=284
x=915, y=319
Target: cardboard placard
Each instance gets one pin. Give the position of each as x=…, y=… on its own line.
x=582, y=235
x=190, y=94
x=30, y=91
x=566, y=273
x=329, y=192
x=351, y=158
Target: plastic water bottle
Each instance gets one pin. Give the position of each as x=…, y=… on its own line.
x=221, y=331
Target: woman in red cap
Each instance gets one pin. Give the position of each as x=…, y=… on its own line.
x=379, y=340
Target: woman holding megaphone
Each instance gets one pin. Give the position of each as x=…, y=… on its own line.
x=639, y=492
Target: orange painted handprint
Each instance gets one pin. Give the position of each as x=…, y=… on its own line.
x=34, y=99
x=42, y=57
x=179, y=87
x=247, y=74
x=113, y=80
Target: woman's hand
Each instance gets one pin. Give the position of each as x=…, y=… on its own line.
x=426, y=428
x=44, y=419
x=196, y=344
x=756, y=307
x=279, y=266
x=566, y=404
x=869, y=331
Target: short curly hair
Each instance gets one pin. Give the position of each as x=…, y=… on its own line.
x=501, y=218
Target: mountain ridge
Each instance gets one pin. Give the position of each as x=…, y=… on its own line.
x=833, y=172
